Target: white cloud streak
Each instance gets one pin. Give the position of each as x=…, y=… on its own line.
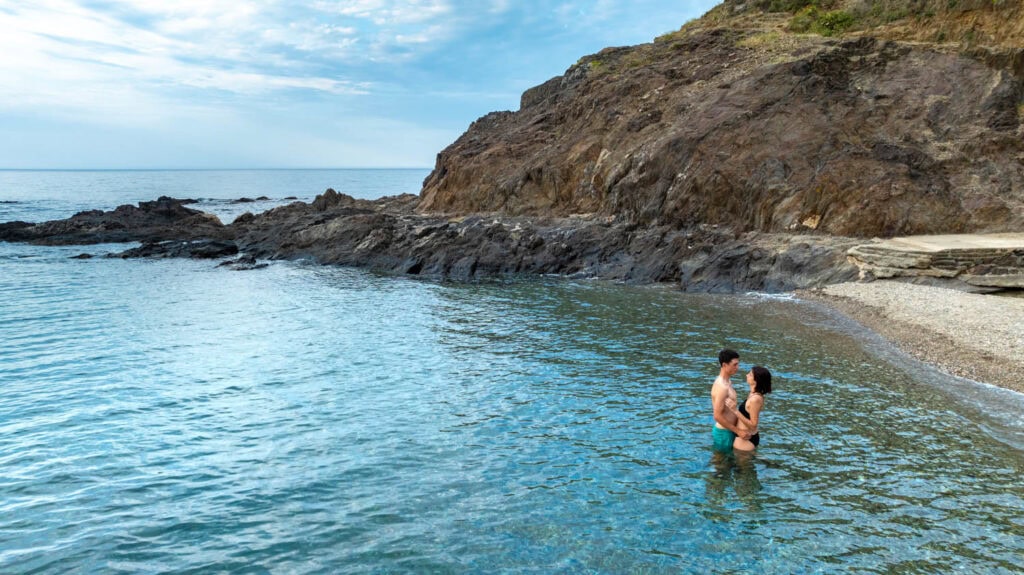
x=63, y=54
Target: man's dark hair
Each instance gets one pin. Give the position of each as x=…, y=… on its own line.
x=762, y=380
x=727, y=355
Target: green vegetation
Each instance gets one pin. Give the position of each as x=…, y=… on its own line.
x=788, y=5
x=832, y=23
x=764, y=40
x=968, y=22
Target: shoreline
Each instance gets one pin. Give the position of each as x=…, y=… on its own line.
x=973, y=336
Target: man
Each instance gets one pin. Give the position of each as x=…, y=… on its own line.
x=723, y=402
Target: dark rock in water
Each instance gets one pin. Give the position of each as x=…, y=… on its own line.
x=198, y=249
x=163, y=219
x=243, y=201
x=16, y=231
x=244, y=263
x=387, y=235
x=332, y=199
x=290, y=198
x=262, y=199
x=81, y=257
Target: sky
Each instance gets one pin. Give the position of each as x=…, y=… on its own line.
x=110, y=84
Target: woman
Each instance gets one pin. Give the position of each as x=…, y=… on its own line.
x=760, y=381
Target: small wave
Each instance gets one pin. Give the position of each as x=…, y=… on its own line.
x=785, y=296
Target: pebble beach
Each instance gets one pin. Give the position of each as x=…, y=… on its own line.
x=975, y=336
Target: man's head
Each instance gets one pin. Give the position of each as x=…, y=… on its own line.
x=729, y=361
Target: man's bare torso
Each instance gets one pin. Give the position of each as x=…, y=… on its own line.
x=730, y=394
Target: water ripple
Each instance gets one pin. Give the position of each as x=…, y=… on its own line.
x=165, y=416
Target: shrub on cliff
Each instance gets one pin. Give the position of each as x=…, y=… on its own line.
x=810, y=19
x=988, y=22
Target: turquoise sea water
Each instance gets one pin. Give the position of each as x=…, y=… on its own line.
x=170, y=416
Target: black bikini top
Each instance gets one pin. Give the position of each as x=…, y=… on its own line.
x=743, y=408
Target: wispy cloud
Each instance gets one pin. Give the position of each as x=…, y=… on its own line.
x=156, y=66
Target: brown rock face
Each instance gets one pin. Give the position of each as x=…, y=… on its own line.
x=759, y=132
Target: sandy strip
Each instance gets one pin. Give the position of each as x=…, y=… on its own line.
x=980, y=337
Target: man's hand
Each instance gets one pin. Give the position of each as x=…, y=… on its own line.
x=744, y=434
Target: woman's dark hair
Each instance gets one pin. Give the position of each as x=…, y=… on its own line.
x=726, y=355
x=762, y=380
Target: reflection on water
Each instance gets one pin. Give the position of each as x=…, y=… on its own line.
x=169, y=415
x=732, y=478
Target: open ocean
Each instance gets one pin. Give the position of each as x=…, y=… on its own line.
x=169, y=416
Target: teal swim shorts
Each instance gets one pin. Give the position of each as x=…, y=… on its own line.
x=722, y=438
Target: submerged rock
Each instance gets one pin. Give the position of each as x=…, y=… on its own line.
x=244, y=263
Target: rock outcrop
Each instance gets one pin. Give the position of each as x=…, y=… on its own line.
x=159, y=220
x=993, y=261
x=387, y=235
x=757, y=131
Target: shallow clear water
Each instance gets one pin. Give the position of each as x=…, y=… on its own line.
x=171, y=416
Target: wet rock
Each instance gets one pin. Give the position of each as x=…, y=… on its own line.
x=244, y=263
x=162, y=219
x=197, y=249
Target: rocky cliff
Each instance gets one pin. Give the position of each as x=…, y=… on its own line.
x=747, y=151
x=738, y=121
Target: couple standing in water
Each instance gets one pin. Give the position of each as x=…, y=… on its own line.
x=736, y=424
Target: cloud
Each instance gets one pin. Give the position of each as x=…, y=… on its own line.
x=157, y=67
x=389, y=12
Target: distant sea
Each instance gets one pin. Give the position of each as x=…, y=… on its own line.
x=170, y=416
x=40, y=195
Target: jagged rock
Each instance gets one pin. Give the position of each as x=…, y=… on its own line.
x=163, y=219
x=198, y=249
x=244, y=263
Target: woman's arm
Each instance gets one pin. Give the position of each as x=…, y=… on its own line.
x=743, y=419
x=754, y=405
